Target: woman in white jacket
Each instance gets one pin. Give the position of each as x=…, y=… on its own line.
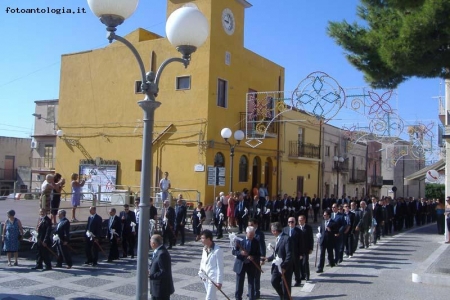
x=211, y=266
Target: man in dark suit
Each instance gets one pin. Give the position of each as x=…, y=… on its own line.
x=63, y=232
x=283, y=250
x=357, y=212
x=338, y=217
x=326, y=238
x=114, y=233
x=364, y=225
x=219, y=217
x=349, y=218
x=180, y=219
x=44, y=230
x=260, y=237
x=93, y=233
x=248, y=256
x=160, y=274
x=128, y=218
x=168, y=218
x=306, y=246
x=241, y=212
x=294, y=233
x=315, y=203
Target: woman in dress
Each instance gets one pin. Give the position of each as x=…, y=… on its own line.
x=76, y=194
x=197, y=219
x=11, y=234
x=58, y=184
x=230, y=212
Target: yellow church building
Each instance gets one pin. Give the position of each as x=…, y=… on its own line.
x=102, y=123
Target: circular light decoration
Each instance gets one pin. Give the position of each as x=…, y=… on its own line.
x=432, y=176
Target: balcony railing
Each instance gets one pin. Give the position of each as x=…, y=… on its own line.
x=342, y=167
x=43, y=163
x=250, y=127
x=8, y=174
x=358, y=176
x=375, y=180
x=297, y=149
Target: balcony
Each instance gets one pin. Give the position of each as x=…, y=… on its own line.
x=375, y=180
x=8, y=174
x=299, y=150
x=358, y=176
x=249, y=127
x=43, y=163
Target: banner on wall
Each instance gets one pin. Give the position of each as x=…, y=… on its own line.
x=98, y=177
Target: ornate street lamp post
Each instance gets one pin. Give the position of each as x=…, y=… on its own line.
x=338, y=166
x=238, y=136
x=186, y=29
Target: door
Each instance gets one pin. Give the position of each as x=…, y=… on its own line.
x=9, y=167
x=300, y=182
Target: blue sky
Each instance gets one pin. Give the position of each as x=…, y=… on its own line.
x=291, y=33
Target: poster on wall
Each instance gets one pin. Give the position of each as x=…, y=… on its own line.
x=97, y=178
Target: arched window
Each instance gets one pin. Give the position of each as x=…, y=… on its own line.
x=243, y=169
x=219, y=160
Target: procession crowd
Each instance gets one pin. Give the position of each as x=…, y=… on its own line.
x=346, y=226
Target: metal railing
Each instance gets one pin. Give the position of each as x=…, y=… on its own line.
x=375, y=180
x=249, y=126
x=8, y=174
x=358, y=176
x=43, y=163
x=298, y=149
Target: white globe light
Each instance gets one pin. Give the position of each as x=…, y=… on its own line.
x=341, y=159
x=239, y=135
x=432, y=176
x=59, y=132
x=122, y=8
x=226, y=133
x=187, y=26
x=335, y=158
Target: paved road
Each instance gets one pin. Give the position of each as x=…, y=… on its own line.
x=380, y=272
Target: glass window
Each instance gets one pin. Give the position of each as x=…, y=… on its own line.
x=219, y=160
x=222, y=93
x=243, y=169
x=48, y=156
x=50, y=114
x=184, y=83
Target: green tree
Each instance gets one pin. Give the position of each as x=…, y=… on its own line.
x=434, y=190
x=399, y=39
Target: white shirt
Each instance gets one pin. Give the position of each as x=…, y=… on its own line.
x=164, y=184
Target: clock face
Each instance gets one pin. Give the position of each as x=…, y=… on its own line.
x=228, y=22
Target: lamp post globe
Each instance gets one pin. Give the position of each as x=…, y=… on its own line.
x=187, y=26
x=226, y=133
x=239, y=135
x=113, y=12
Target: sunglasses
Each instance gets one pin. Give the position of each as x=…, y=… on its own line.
x=291, y=222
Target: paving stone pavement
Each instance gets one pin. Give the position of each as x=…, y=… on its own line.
x=118, y=280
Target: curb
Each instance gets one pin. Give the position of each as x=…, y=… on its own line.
x=420, y=275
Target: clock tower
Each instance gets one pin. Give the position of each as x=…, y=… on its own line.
x=225, y=18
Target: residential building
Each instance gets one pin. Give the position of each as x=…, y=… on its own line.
x=15, y=164
x=43, y=143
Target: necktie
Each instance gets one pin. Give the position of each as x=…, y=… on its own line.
x=240, y=205
x=111, y=221
x=290, y=232
x=154, y=253
x=301, y=227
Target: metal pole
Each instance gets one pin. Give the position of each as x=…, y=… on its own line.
x=149, y=107
x=231, y=167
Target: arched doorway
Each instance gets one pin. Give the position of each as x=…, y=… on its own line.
x=256, y=171
x=268, y=167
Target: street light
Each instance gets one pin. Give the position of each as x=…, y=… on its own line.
x=338, y=166
x=186, y=29
x=39, y=117
x=238, y=136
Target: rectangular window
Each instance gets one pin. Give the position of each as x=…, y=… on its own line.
x=138, y=87
x=222, y=93
x=336, y=150
x=48, y=156
x=183, y=83
x=50, y=114
x=327, y=150
x=138, y=165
